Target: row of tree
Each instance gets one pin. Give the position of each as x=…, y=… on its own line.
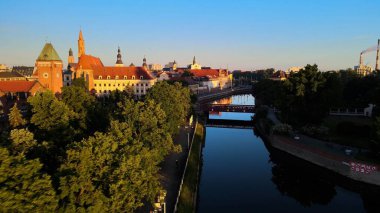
x=307, y=96
x=81, y=153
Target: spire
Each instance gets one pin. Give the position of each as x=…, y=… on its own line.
x=70, y=52
x=194, y=62
x=80, y=35
x=81, y=47
x=144, y=62
x=174, y=62
x=118, y=60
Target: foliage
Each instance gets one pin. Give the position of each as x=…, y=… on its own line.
x=81, y=103
x=313, y=130
x=15, y=117
x=282, y=129
x=23, y=187
x=115, y=171
x=175, y=102
x=48, y=112
x=22, y=141
x=190, y=181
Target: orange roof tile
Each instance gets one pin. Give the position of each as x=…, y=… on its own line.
x=17, y=86
x=124, y=71
x=90, y=62
x=205, y=72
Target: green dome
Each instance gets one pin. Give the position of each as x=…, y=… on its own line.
x=48, y=53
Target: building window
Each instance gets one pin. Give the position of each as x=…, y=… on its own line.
x=109, y=85
x=67, y=78
x=118, y=85
x=104, y=84
x=133, y=77
x=146, y=84
x=94, y=85
x=141, y=77
x=46, y=75
x=117, y=77
x=123, y=84
x=67, y=84
x=100, y=77
x=133, y=85
x=108, y=77
x=125, y=77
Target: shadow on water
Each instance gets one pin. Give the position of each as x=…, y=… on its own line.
x=312, y=185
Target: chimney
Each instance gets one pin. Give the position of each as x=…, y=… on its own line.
x=361, y=60
x=377, y=55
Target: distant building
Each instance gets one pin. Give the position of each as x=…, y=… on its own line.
x=11, y=76
x=171, y=66
x=363, y=70
x=279, y=76
x=23, y=70
x=293, y=69
x=4, y=68
x=194, y=65
x=102, y=79
x=67, y=77
x=155, y=67
x=212, y=78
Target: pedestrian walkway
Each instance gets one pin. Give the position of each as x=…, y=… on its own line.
x=173, y=167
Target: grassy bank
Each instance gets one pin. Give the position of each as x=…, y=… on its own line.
x=190, y=183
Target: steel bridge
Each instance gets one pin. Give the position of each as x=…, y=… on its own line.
x=231, y=108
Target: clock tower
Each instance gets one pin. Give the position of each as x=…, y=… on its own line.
x=48, y=69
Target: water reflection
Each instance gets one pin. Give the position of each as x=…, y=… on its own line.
x=241, y=173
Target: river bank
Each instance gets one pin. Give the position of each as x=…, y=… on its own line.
x=318, y=153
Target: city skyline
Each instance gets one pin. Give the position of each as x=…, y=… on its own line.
x=249, y=35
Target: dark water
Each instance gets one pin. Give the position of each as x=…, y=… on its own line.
x=241, y=174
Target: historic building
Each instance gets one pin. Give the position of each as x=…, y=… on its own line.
x=194, y=65
x=102, y=79
x=48, y=69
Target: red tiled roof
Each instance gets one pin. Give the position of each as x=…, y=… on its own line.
x=95, y=64
x=89, y=62
x=123, y=71
x=17, y=86
x=205, y=72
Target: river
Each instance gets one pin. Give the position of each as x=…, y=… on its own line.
x=240, y=173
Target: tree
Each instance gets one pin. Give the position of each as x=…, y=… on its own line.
x=81, y=103
x=23, y=187
x=117, y=170
x=174, y=100
x=303, y=94
x=48, y=112
x=15, y=117
x=22, y=141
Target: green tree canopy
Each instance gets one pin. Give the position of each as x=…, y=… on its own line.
x=15, y=117
x=23, y=187
x=174, y=100
x=48, y=112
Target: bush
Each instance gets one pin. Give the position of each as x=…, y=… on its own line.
x=282, y=129
x=315, y=130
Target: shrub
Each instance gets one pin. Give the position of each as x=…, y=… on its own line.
x=282, y=129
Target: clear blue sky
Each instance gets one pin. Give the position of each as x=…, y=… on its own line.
x=246, y=35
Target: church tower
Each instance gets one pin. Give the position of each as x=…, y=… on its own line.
x=194, y=62
x=70, y=60
x=145, y=65
x=48, y=69
x=81, y=48
x=119, y=62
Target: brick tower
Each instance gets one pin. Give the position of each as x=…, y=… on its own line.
x=48, y=69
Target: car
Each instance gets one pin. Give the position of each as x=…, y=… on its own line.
x=296, y=137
